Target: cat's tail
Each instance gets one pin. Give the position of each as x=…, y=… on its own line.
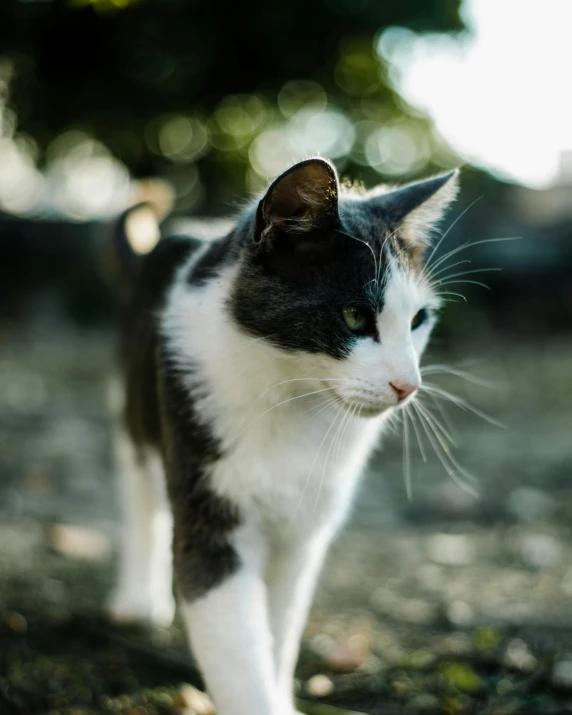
x=136, y=231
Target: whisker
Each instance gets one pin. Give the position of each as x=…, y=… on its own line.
x=333, y=422
x=432, y=422
x=418, y=436
x=438, y=427
x=302, y=379
x=476, y=283
x=294, y=379
x=407, y=458
x=324, y=405
x=283, y=402
x=393, y=421
x=463, y=374
x=432, y=274
x=465, y=273
x=384, y=243
x=448, y=292
x=345, y=431
x=365, y=243
x=470, y=244
x=443, y=456
x=332, y=443
x=460, y=402
x=440, y=408
x=444, y=236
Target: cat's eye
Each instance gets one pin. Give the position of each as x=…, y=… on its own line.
x=356, y=319
x=419, y=318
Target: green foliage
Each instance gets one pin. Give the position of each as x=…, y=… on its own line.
x=185, y=87
x=459, y=676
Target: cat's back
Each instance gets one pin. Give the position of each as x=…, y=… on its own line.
x=139, y=332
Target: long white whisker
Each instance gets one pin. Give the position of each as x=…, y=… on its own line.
x=323, y=405
x=393, y=421
x=470, y=244
x=283, y=402
x=439, y=429
x=300, y=379
x=344, y=432
x=365, y=243
x=443, y=456
x=475, y=283
x=407, y=458
x=450, y=300
x=333, y=422
x=465, y=273
x=433, y=274
x=432, y=422
x=357, y=410
x=418, y=436
x=460, y=402
x=355, y=414
x=383, y=244
x=336, y=433
x=440, y=408
x=463, y=374
x=294, y=379
x=444, y=236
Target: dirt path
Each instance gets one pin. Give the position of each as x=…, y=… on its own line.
x=446, y=604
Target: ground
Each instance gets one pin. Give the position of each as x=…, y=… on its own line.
x=447, y=603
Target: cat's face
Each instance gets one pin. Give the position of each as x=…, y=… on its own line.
x=337, y=283
x=382, y=370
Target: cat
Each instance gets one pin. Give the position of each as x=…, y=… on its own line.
x=260, y=369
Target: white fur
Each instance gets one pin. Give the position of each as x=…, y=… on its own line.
x=373, y=367
x=144, y=591
x=230, y=637
x=417, y=225
x=291, y=465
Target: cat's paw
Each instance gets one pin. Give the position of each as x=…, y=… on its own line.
x=131, y=608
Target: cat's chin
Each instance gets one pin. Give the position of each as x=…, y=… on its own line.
x=365, y=409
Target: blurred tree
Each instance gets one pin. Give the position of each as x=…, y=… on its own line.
x=186, y=88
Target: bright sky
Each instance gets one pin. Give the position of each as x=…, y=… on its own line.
x=502, y=97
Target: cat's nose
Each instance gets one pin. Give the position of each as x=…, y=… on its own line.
x=403, y=388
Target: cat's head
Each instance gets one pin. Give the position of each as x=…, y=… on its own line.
x=336, y=280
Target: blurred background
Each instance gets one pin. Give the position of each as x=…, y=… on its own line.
x=445, y=603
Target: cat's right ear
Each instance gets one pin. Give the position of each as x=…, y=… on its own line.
x=302, y=199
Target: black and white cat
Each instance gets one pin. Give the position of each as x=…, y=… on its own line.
x=260, y=369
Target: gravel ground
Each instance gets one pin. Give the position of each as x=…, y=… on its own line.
x=446, y=603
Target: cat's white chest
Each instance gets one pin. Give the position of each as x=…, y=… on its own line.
x=295, y=468
x=290, y=454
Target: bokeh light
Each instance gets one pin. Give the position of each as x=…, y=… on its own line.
x=84, y=179
x=498, y=93
x=181, y=138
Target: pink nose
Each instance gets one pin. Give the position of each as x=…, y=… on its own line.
x=403, y=389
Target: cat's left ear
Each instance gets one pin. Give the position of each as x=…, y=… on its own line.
x=415, y=209
x=302, y=199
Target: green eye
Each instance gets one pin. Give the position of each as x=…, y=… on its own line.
x=356, y=319
x=419, y=318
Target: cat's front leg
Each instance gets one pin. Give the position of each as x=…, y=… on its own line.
x=219, y=557
x=225, y=612
x=292, y=574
